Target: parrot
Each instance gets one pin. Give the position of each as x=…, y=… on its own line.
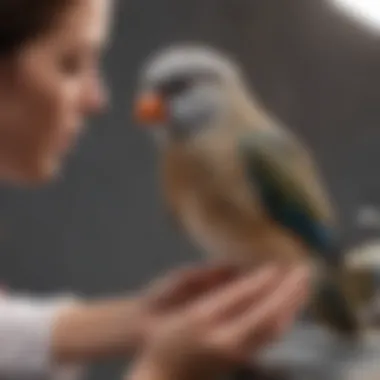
x=240, y=184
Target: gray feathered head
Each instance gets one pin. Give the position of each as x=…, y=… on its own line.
x=185, y=88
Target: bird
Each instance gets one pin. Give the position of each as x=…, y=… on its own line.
x=239, y=183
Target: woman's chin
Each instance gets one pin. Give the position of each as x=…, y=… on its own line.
x=32, y=174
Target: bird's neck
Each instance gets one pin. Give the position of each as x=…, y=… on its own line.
x=247, y=112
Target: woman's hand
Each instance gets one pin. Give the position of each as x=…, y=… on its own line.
x=172, y=292
x=220, y=327
x=88, y=331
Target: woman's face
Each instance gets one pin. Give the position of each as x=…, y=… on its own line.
x=49, y=89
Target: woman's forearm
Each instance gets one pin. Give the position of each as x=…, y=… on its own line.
x=96, y=330
x=46, y=338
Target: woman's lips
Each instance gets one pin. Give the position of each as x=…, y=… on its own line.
x=67, y=140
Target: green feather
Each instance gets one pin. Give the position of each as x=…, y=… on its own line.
x=277, y=155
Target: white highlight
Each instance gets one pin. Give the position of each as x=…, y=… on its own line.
x=187, y=58
x=366, y=12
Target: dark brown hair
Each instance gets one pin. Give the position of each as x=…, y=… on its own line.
x=24, y=20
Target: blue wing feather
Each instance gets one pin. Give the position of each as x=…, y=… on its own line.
x=281, y=204
x=290, y=214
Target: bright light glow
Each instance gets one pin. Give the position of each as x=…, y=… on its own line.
x=365, y=11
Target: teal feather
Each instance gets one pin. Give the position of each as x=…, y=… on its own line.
x=288, y=211
x=291, y=212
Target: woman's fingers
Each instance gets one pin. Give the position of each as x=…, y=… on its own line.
x=286, y=317
x=275, y=326
x=270, y=309
x=187, y=283
x=234, y=297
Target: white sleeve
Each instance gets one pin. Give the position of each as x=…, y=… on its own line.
x=26, y=325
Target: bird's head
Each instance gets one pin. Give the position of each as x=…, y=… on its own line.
x=184, y=91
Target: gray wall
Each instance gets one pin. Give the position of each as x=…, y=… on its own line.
x=100, y=228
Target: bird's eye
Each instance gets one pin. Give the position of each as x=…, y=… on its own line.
x=174, y=87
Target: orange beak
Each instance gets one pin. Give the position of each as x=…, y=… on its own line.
x=150, y=109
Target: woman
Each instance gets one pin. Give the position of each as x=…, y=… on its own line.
x=50, y=83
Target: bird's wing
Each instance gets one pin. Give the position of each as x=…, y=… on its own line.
x=290, y=186
x=285, y=164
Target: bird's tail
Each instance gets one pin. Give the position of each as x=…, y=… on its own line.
x=345, y=297
x=332, y=305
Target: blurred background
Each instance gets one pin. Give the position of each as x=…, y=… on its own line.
x=101, y=229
